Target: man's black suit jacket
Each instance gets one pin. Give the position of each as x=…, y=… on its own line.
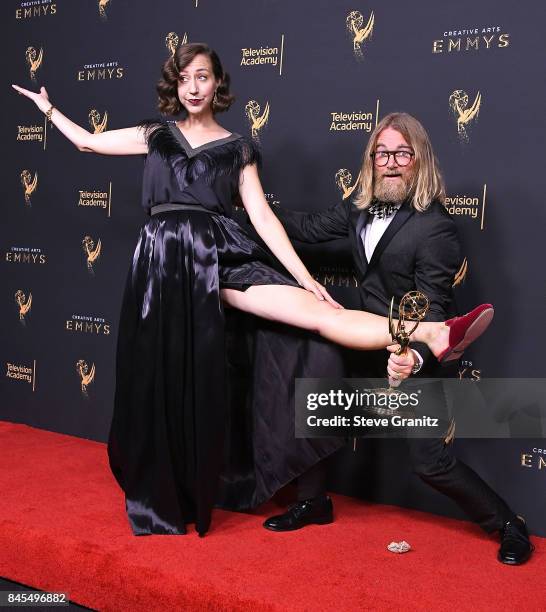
x=418, y=251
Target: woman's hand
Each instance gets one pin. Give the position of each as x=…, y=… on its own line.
x=40, y=99
x=310, y=284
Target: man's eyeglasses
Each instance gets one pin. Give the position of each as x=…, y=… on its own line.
x=402, y=158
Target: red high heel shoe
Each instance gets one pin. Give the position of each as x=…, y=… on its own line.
x=464, y=330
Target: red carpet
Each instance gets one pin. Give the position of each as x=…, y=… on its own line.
x=63, y=527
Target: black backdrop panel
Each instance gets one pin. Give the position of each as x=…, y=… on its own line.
x=324, y=92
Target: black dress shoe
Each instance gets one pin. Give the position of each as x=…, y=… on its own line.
x=515, y=547
x=315, y=511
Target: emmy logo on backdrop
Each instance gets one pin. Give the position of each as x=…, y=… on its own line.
x=343, y=181
x=91, y=251
x=98, y=124
x=34, y=60
x=29, y=184
x=172, y=40
x=102, y=8
x=460, y=275
x=87, y=376
x=359, y=34
x=24, y=303
x=257, y=121
x=458, y=101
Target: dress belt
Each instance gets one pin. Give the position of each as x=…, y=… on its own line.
x=171, y=206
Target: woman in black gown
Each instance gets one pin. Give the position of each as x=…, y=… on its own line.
x=166, y=440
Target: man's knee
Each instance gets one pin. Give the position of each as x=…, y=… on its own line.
x=432, y=459
x=432, y=470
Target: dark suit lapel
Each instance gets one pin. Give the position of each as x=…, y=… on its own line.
x=403, y=214
x=361, y=220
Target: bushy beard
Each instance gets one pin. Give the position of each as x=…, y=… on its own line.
x=393, y=191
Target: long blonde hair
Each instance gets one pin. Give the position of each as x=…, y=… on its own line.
x=428, y=181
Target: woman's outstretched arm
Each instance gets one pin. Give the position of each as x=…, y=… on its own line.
x=272, y=232
x=127, y=141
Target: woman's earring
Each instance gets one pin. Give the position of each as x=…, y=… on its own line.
x=215, y=98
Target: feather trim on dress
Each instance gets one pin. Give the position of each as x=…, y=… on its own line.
x=223, y=159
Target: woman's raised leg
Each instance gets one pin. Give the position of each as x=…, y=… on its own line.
x=352, y=328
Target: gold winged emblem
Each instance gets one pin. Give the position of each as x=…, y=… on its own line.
x=359, y=34
x=256, y=120
x=23, y=303
x=98, y=124
x=343, y=181
x=29, y=184
x=102, y=8
x=458, y=101
x=86, y=375
x=34, y=60
x=92, y=252
x=172, y=40
x=460, y=275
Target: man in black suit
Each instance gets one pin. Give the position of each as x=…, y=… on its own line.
x=402, y=239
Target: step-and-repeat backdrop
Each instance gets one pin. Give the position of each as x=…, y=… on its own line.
x=311, y=80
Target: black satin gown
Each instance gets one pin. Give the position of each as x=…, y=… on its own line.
x=183, y=437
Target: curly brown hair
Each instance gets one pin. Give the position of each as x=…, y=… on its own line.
x=167, y=87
